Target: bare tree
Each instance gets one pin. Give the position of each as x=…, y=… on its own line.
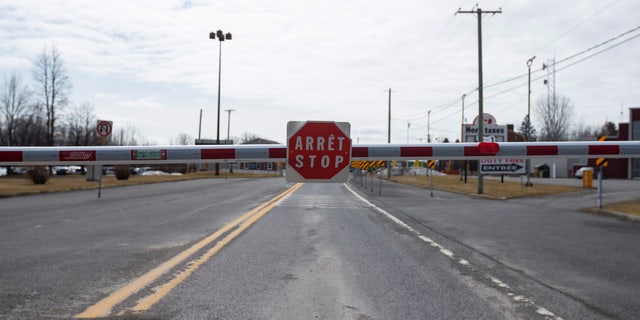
x=183, y=139
x=583, y=132
x=126, y=136
x=14, y=101
x=80, y=125
x=555, y=117
x=129, y=136
x=247, y=137
x=30, y=129
x=53, y=86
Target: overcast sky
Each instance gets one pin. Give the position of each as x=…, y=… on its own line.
x=151, y=64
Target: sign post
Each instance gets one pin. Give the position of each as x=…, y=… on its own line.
x=318, y=151
x=104, y=129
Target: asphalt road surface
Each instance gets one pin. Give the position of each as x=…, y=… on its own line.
x=268, y=249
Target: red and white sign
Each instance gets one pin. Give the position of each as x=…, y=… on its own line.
x=318, y=151
x=104, y=128
x=78, y=155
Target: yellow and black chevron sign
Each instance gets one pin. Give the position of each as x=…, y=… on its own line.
x=431, y=164
x=602, y=162
x=365, y=165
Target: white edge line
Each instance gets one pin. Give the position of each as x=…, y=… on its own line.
x=518, y=298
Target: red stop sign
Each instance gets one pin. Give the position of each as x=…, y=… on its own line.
x=318, y=151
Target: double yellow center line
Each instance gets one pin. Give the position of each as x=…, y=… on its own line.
x=104, y=307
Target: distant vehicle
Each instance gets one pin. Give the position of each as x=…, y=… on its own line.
x=61, y=171
x=141, y=170
x=64, y=170
x=579, y=172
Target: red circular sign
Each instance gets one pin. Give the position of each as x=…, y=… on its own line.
x=104, y=128
x=319, y=150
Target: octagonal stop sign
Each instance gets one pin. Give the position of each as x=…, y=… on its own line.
x=318, y=151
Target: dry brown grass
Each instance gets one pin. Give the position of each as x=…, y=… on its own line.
x=22, y=185
x=492, y=188
x=629, y=207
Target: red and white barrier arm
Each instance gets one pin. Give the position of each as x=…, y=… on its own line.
x=474, y=151
x=26, y=156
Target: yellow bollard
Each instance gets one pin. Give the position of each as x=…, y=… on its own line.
x=587, y=179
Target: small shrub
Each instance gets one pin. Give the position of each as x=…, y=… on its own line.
x=39, y=175
x=122, y=172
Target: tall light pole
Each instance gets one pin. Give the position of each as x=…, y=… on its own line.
x=228, y=111
x=228, y=131
x=463, y=163
x=389, y=135
x=528, y=129
x=221, y=37
x=429, y=126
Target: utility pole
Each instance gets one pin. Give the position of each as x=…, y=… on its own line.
x=462, y=122
x=389, y=123
x=389, y=135
x=229, y=121
x=463, y=163
x=528, y=132
x=429, y=126
x=479, y=12
x=200, y=126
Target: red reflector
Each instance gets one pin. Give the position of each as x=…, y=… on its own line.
x=542, y=150
x=416, y=152
x=278, y=153
x=218, y=154
x=10, y=156
x=488, y=148
x=359, y=152
x=599, y=149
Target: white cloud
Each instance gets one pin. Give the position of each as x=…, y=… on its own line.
x=331, y=60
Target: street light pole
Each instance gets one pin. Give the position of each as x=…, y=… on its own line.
x=229, y=121
x=528, y=129
x=221, y=37
x=463, y=164
x=429, y=126
x=389, y=135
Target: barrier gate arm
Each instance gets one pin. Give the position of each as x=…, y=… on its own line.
x=29, y=156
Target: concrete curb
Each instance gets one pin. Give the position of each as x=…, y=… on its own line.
x=618, y=215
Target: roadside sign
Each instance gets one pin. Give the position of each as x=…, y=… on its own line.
x=160, y=154
x=318, y=151
x=503, y=166
x=602, y=162
x=104, y=128
x=78, y=155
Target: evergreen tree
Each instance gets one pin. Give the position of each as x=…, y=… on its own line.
x=527, y=129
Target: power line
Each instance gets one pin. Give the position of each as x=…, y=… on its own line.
x=603, y=9
x=601, y=44
x=608, y=41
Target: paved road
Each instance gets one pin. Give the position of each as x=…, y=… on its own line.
x=63, y=252
x=325, y=251
x=578, y=265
